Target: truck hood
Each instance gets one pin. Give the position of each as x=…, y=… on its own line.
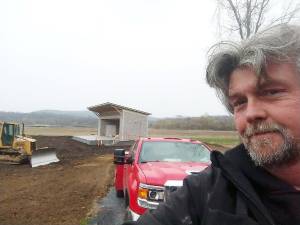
x=157, y=173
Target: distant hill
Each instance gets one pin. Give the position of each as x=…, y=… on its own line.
x=52, y=118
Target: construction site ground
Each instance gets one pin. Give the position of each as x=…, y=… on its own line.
x=61, y=193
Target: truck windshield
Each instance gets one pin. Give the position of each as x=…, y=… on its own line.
x=174, y=152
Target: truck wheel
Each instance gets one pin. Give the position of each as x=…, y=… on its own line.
x=120, y=193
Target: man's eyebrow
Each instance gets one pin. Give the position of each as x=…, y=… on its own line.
x=233, y=93
x=267, y=82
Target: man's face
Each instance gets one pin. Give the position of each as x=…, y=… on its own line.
x=267, y=113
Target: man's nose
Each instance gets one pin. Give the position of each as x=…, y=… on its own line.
x=255, y=111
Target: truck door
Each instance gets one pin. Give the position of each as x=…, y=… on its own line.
x=129, y=167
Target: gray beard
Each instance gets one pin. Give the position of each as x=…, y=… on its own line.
x=277, y=155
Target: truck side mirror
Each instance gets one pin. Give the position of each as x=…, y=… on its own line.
x=129, y=159
x=119, y=156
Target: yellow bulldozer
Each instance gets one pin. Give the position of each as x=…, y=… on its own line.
x=17, y=148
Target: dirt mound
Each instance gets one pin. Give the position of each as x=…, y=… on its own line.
x=59, y=193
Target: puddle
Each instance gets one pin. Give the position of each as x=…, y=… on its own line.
x=112, y=210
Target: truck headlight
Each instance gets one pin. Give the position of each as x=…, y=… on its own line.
x=156, y=195
x=151, y=192
x=149, y=195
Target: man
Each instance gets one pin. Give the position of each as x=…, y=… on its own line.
x=257, y=182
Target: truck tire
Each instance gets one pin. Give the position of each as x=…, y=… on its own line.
x=119, y=193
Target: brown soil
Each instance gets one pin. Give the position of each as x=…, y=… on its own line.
x=59, y=193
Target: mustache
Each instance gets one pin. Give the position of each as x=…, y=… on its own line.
x=262, y=127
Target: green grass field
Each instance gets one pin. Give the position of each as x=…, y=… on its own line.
x=227, y=141
x=224, y=138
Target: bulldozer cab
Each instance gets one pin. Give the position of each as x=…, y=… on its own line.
x=8, y=131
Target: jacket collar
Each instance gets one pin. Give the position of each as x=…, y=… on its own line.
x=230, y=166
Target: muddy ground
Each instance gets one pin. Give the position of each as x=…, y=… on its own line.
x=62, y=193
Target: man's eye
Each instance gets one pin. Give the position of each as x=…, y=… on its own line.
x=238, y=103
x=271, y=92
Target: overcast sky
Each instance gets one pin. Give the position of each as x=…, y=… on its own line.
x=71, y=54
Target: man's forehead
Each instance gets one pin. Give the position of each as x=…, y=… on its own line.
x=247, y=76
x=274, y=74
x=240, y=77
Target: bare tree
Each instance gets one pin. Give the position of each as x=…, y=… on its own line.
x=248, y=16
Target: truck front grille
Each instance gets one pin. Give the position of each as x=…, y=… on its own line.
x=170, y=187
x=168, y=191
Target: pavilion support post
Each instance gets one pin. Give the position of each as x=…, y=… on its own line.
x=99, y=141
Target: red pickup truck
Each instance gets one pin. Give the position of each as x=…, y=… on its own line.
x=153, y=168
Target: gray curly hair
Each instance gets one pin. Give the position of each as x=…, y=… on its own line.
x=280, y=43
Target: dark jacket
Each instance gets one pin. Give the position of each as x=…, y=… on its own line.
x=231, y=191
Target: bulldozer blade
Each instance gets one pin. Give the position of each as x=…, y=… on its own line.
x=43, y=156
